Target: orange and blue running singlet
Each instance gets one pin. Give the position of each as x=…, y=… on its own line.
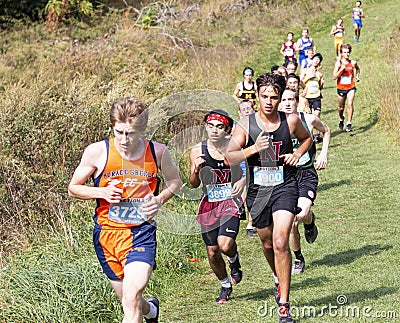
x=138, y=178
x=118, y=243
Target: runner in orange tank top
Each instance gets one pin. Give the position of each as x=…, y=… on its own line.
x=346, y=72
x=137, y=178
x=124, y=170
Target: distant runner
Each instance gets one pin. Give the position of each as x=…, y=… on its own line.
x=245, y=109
x=288, y=49
x=291, y=67
x=314, y=82
x=346, y=72
x=357, y=15
x=302, y=45
x=338, y=35
x=246, y=90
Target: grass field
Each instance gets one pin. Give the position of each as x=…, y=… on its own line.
x=352, y=272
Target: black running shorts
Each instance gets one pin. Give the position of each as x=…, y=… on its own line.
x=307, y=180
x=262, y=206
x=229, y=227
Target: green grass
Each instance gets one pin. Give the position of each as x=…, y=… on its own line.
x=57, y=278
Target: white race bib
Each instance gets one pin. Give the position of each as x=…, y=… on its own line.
x=268, y=176
x=128, y=211
x=313, y=89
x=219, y=192
x=289, y=52
x=304, y=159
x=345, y=79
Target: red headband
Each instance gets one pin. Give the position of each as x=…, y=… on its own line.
x=219, y=118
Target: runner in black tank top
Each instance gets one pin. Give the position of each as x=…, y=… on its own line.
x=272, y=190
x=279, y=145
x=220, y=203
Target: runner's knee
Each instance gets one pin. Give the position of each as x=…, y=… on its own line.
x=281, y=244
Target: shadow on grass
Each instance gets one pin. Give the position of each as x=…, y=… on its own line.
x=368, y=126
x=357, y=130
x=328, y=186
x=348, y=256
x=263, y=294
x=325, y=112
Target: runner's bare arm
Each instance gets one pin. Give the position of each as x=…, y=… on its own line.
x=236, y=93
x=357, y=71
x=238, y=187
x=321, y=82
x=282, y=51
x=338, y=70
x=92, y=163
x=196, y=162
x=319, y=125
x=170, y=173
x=297, y=46
x=172, y=180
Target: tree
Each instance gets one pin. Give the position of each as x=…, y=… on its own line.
x=57, y=10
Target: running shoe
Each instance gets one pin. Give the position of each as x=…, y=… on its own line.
x=156, y=303
x=236, y=271
x=251, y=233
x=355, y=39
x=341, y=125
x=284, y=313
x=349, y=128
x=312, y=233
x=298, y=267
x=318, y=138
x=224, y=295
x=277, y=293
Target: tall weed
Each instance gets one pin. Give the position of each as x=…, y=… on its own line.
x=389, y=85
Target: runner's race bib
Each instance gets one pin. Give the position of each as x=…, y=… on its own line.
x=289, y=52
x=219, y=192
x=268, y=176
x=128, y=211
x=304, y=159
x=313, y=89
x=339, y=34
x=345, y=79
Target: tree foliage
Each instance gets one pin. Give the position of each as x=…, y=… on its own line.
x=57, y=10
x=24, y=9
x=52, y=11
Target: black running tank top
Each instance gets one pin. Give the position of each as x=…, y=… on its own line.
x=280, y=143
x=215, y=171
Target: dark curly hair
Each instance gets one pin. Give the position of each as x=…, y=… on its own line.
x=278, y=82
